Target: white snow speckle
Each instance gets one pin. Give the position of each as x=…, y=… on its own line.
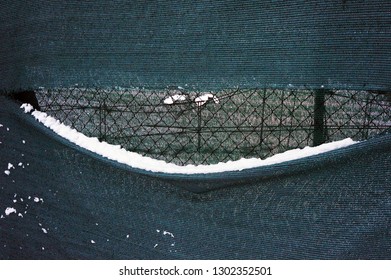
x=168, y=233
x=1, y=125
x=23, y=141
x=20, y=164
x=44, y=230
x=20, y=215
x=155, y=245
x=92, y=241
x=7, y=172
x=127, y=236
x=27, y=107
x=175, y=98
x=10, y=210
x=202, y=99
x=10, y=165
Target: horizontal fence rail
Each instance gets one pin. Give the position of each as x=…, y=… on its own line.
x=189, y=127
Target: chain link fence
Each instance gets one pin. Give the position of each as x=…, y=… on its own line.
x=189, y=127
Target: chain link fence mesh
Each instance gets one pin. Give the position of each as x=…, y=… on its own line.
x=190, y=127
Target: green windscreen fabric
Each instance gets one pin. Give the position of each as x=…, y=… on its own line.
x=58, y=201
x=201, y=44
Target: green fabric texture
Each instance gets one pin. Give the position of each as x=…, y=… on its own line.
x=331, y=206
x=202, y=44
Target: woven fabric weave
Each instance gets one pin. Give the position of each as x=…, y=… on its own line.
x=76, y=205
x=201, y=44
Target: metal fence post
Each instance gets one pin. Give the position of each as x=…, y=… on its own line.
x=319, y=117
x=199, y=127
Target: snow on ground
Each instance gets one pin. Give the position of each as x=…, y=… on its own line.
x=172, y=99
x=116, y=153
x=201, y=100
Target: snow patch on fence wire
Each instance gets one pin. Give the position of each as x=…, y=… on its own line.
x=132, y=159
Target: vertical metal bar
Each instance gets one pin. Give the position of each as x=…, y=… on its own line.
x=100, y=121
x=199, y=127
x=367, y=120
x=291, y=115
x=104, y=119
x=262, y=119
x=319, y=115
x=280, y=124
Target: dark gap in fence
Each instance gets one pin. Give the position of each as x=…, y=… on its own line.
x=190, y=127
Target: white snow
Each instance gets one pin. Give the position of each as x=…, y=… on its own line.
x=92, y=241
x=9, y=167
x=37, y=199
x=27, y=107
x=44, y=230
x=201, y=100
x=172, y=99
x=116, y=153
x=10, y=210
x=168, y=233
